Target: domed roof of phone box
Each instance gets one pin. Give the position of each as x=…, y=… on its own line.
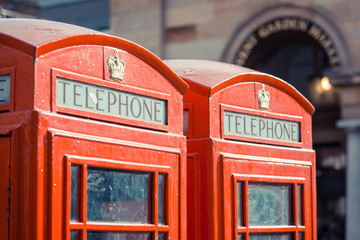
x=210, y=77
x=37, y=37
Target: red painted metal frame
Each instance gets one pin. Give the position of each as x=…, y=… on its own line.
x=84, y=226
x=114, y=154
x=9, y=71
x=292, y=172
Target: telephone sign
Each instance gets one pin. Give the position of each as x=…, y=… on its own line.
x=107, y=101
x=242, y=124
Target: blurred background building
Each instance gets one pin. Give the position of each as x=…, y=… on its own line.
x=312, y=44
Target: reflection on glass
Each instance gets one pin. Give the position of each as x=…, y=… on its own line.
x=270, y=204
x=240, y=203
x=75, y=193
x=162, y=236
x=240, y=236
x=74, y=235
x=300, y=204
x=119, y=236
x=118, y=196
x=301, y=236
x=161, y=198
x=271, y=236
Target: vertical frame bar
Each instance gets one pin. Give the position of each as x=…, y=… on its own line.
x=155, y=204
x=246, y=210
x=83, y=202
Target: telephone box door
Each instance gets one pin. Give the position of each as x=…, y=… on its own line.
x=113, y=189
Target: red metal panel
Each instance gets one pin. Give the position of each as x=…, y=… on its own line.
x=5, y=186
x=208, y=78
x=39, y=37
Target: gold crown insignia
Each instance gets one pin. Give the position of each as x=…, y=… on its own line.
x=116, y=67
x=263, y=97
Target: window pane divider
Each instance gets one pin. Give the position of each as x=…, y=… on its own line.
x=295, y=202
x=91, y=226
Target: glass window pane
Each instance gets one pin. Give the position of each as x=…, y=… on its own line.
x=240, y=236
x=271, y=236
x=118, y=196
x=270, y=204
x=186, y=121
x=161, y=198
x=75, y=193
x=74, y=236
x=300, y=204
x=240, y=203
x=119, y=236
x=162, y=236
x=301, y=236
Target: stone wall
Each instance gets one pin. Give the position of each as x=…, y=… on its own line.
x=202, y=28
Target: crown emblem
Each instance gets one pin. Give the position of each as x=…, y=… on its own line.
x=116, y=67
x=263, y=97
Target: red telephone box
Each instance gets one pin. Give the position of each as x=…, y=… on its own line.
x=251, y=166
x=91, y=137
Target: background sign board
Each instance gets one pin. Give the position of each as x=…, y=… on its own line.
x=112, y=102
x=248, y=125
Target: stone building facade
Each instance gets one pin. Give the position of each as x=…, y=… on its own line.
x=298, y=41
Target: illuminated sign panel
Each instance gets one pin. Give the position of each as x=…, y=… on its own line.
x=248, y=125
x=91, y=98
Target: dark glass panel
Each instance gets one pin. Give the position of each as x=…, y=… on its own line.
x=162, y=199
x=162, y=236
x=75, y=193
x=74, y=235
x=270, y=204
x=301, y=236
x=300, y=209
x=271, y=236
x=119, y=236
x=118, y=196
x=240, y=216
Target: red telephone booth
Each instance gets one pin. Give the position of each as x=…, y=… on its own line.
x=91, y=137
x=251, y=166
